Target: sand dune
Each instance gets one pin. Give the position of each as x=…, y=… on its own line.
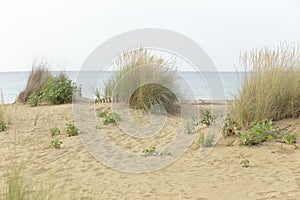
x=75, y=174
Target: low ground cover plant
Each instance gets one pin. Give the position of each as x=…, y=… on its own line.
x=259, y=133
x=72, y=130
x=207, y=118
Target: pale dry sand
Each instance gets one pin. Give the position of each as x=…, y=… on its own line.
x=274, y=171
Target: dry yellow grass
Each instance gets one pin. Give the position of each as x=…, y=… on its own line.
x=271, y=86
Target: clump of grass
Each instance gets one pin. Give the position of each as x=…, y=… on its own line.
x=72, y=130
x=39, y=75
x=21, y=188
x=135, y=67
x=271, y=85
x=208, y=140
x=230, y=142
x=190, y=127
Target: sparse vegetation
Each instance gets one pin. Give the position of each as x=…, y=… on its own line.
x=229, y=142
x=109, y=118
x=54, y=131
x=153, y=152
x=230, y=127
x=207, y=118
x=150, y=152
x=259, y=133
x=190, y=127
x=33, y=100
x=56, y=143
x=245, y=163
x=272, y=89
x=208, y=140
x=72, y=130
x=2, y=126
x=102, y=114
x=290, y=139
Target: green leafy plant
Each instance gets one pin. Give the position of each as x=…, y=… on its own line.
x=207, y=118
x=33, y=100
x=2, y=126
x=56, y=143
x=230, y=127
x=245, y=163
x=111, y=118
x=259, y=133
x=54, y=131
x=58, y=90
x=102, y=114
x=290, y=139
x=71, y=130
x=149, y=152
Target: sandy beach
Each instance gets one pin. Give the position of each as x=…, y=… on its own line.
x=71, y=172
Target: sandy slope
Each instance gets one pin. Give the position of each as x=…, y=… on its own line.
x=75, y=174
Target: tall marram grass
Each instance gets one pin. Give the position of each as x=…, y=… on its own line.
x=20, y=188
x=271, y=85
x=142, y=80
x=38, y=77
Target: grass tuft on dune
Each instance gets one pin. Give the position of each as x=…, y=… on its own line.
x=271, y=85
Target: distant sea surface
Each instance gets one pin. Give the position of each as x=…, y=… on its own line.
x=12, y=83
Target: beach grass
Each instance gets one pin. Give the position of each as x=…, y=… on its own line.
x=38, y=76
x=144, y=79
x=271, y=85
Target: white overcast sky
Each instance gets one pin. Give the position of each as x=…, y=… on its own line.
x=66, y=32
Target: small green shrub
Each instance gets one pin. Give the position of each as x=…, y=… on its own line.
x=56, y=143
x=54, y=131
x=102, y=114
x=259, y=133
x=290, y=139
x=111, y=118
x=230, y=127
x=245, y=163
x=2, y=126
x=71, y=130
x=207, y=118
x=33, y=100
x=150, y=152
x=58, y=90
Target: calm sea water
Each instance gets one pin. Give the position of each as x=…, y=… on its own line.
x=204, y=86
